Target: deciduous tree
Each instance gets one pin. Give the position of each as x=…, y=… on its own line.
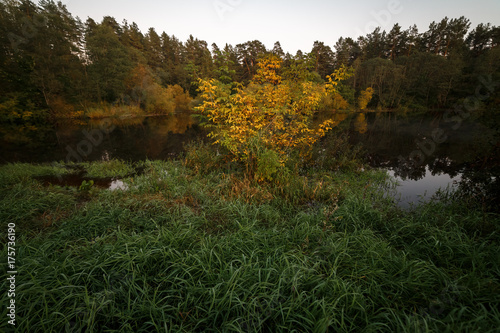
x=267, y=119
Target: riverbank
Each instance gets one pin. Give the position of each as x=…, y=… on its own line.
x=192, y=245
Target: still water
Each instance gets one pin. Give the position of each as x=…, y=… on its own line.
x=427, y=153
x=130, y=139
x=423, y=152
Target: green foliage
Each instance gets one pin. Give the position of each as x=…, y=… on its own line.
x=86, y=185
x=268, y=163
x=203, y=157
x=189, y=250
x=67, y=66
x=111, y=63
x=20, y=118
x=24, y=172
x=112, y=168
x=348, y=93
x=18, y=109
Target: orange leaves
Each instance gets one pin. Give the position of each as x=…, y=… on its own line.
x=267, y=72
x=270, y=114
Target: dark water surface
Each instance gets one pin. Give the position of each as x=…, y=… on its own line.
x=430, y=152
x=130, y=139
x=423, y=152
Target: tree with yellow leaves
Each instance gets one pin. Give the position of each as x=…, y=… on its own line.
x=365, y=97
x=260, y=124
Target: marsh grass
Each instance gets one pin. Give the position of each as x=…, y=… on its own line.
x=192, y=248
x=20, y=172
x=108, y=169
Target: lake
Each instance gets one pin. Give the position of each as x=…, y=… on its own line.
x=428, y=152
x=423, y=152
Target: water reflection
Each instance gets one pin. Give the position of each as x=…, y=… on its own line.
x=337, y=118
x=360, y=123
x=76, y=180
x=118, y=121
x=131, y=138
x=468, y=158
x=411, y=192
x=470, y=155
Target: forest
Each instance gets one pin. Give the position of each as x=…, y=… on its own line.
x=54, y=65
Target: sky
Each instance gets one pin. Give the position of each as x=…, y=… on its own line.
x=295, y=24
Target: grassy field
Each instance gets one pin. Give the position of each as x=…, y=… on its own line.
x=192, y=247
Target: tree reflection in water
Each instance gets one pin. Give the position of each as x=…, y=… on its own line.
x=469, y=156
x=132, y=138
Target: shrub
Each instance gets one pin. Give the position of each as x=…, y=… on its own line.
x=270, y=114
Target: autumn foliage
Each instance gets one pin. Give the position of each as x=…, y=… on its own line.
x=262, y=123
x=145, y=92
x=365, y=97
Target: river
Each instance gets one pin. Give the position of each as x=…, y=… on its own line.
x=423, y=152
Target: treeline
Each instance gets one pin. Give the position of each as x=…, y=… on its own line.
x=50, y=60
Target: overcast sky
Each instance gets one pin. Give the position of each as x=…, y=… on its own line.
x=295, y=24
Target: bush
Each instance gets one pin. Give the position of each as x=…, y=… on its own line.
x=270, y=114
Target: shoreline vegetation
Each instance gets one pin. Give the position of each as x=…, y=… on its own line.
x=191, y=112
x=193, y=244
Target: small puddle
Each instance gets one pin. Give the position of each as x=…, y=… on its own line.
x=409, y=193
x=76, y=180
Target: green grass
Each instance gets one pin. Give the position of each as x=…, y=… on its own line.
x=20, y=172
x=112, y=168
x=189, y=248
